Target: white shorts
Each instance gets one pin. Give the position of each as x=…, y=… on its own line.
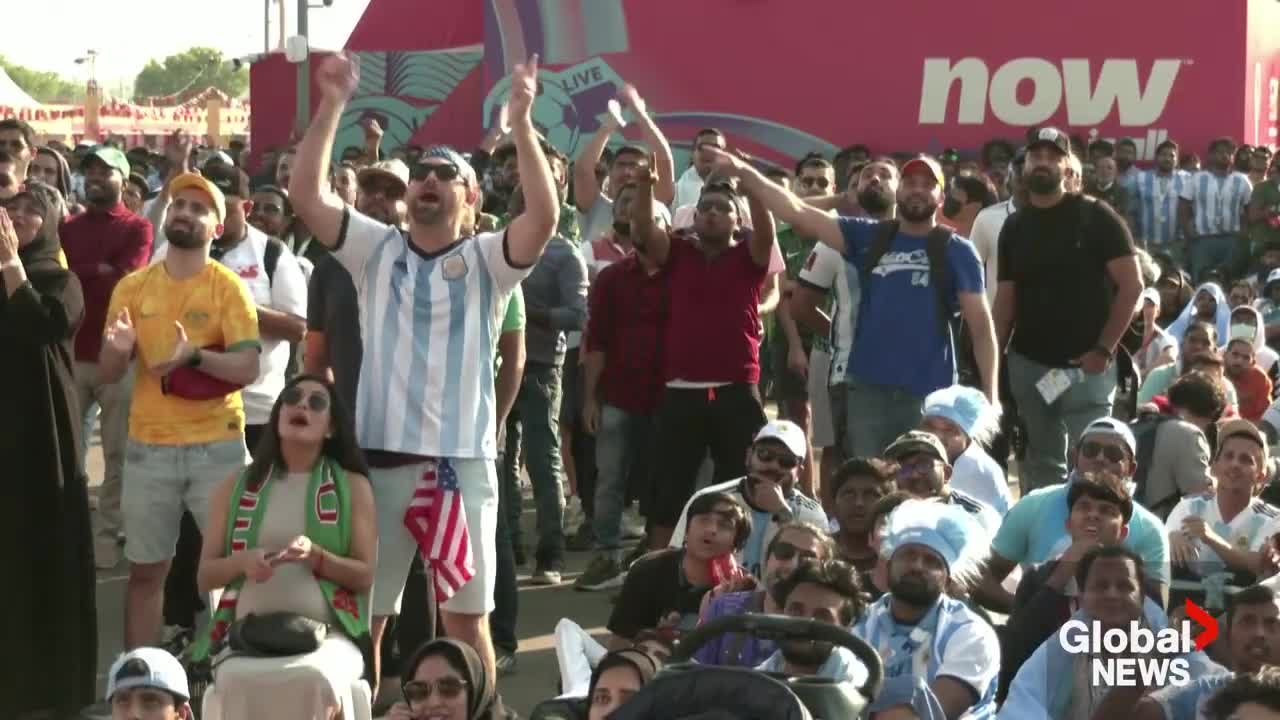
x=822, y=429
x=392, y=491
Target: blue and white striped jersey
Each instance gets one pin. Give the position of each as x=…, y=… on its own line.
x=1217, y=203
x=429, y=325
x=1155, y=207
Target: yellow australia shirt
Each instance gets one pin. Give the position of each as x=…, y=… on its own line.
x=215, y=308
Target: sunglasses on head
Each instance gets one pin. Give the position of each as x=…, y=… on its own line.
x=717, y=204
x=783, y=458
x=785, y=551
x=1112, y=453
x=443, y=171
x=417, y=692
x=819, y=182
x=294, y=395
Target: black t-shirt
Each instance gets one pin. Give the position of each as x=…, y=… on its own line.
x=1064, y=291
x=654, y=588
x=333, y=309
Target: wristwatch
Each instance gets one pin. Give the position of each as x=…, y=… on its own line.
x=194, y=360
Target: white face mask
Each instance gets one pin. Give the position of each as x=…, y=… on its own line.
x=1240, y=331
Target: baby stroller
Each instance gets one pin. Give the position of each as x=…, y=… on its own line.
x=685, y=690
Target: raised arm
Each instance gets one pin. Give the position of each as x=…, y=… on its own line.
x=806, y=219
x=664, y=165
x=529, y=233
x=585, y=186
x=321, y=211
x=645, y=233
x=763, y=233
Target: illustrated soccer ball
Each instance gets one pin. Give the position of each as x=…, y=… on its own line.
x=555, y=116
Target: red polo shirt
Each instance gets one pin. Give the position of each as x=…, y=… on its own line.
x=626, y=319
x=713, y=329
x=93, y=240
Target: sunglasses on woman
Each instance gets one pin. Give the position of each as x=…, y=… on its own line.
x=295, y=395
x=1112, y=453
x=784, y=459
x=443, y=171
x=417, y=692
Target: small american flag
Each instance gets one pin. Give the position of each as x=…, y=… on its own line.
x=437, y=520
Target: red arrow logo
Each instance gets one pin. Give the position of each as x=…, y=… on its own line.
x=1207, y=621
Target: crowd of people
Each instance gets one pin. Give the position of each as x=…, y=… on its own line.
x=803, y=390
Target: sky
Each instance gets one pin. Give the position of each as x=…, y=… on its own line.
x=128, y=33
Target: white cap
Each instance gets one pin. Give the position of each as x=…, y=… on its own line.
x=1114, y=428
x=150, y=668
x=787, y=433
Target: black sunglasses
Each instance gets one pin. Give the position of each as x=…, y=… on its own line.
x=784, y=459
x=819, y=182
x=1112, y=453
x=443, y=171
x=294, y=395
x=785, y=551
x=417, y=692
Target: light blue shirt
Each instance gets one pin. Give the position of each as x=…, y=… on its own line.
x=1035, y=531
x=1217, y=203
x=841, y=666
x=1155, y=207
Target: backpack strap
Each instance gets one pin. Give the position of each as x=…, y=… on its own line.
x=880, y=243
x=936, y=245
x=271, y=257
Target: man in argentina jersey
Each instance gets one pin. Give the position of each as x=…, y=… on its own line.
x=1156, y=193
x=431, y=305
x=1211, y=211
x=1228, y=530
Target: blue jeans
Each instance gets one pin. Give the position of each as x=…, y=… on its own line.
x=539, y=406
x=876, y=416
x=622, y=453
x=1052, y=428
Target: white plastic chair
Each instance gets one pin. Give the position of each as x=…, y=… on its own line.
x=357, y=703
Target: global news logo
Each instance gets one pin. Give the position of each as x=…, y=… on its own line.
x=1125, y=657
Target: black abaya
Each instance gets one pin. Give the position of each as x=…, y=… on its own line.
x=47, y=611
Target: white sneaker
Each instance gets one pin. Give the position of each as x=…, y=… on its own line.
x=573, y=516
x=632, y=524
x=106, y=553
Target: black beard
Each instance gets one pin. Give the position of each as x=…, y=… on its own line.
x=183, y=238
x=1043, y=184
x=102, y=198
x=805, y=653
x=921, y=215
x=914, y=591
x=875, y=200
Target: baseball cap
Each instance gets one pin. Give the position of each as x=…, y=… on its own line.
x=787, y=433
x=196, y=181
x=1114, y=428
x=925, y=161
x=1241, y=427
x=916, y=441
x=113, y=158
x=394, y=169
x=147, y=667
x=228, y=179
x=1051, y=136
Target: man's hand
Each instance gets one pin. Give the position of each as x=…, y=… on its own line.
x=524, y=90
x=120, y=335
x=797, y=361
x=767, y=495
x=338, y=77
x=182, y=352
x=8, y=238
x=178, y=152
x=1182, y=549
x=1092, y=362
x=724, y=164
x=372, y=129
x=591, y=414
x=630, y=97
x=255, y=566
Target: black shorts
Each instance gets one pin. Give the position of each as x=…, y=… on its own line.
x=691, y=421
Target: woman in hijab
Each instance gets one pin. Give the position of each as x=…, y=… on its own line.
x=48, y=612
x=445, y=680
x=1210, y=305
x=58, y=173
x=619, y=675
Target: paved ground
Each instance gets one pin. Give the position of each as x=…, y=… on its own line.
x=540, y=608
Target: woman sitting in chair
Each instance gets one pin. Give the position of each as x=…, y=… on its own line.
x=294, y=533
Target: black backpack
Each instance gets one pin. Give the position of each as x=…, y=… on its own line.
x=1145, y=429
x=271, y=257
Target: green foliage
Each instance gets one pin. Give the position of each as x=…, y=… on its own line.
x=188, y=73
x=45, y=87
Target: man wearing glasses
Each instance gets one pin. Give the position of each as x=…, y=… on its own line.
x=924, y=471
x=768, y=492
x=1034, y=530
x=431, y=303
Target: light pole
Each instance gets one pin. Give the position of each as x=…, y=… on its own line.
x=91, y=59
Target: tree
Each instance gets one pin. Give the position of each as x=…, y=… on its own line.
x=187, y=73
x=44, y=87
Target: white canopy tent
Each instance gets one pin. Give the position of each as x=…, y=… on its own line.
x=12, y=95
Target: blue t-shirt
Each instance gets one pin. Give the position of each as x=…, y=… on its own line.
x=899, y=341
x=1035, y=531
x=1188, y=701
